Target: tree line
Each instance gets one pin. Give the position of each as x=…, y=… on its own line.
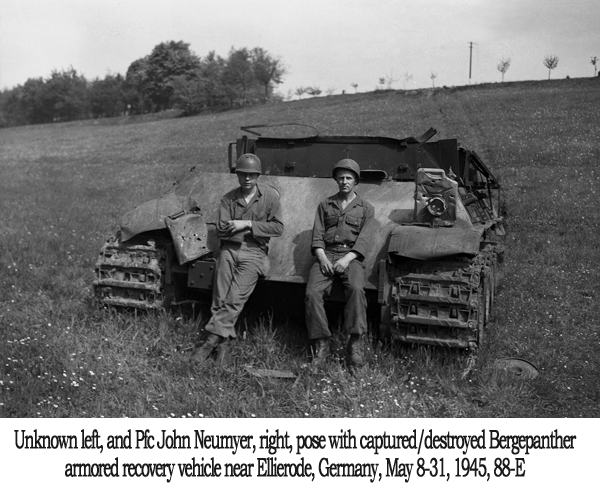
x=171, y=76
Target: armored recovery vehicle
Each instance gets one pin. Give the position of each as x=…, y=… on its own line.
x=432, y=265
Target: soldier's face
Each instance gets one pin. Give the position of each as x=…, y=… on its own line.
x=345, y=181
x=247, y=181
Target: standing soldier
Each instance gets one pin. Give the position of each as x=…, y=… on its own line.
x=339, y=241
x=248, y=217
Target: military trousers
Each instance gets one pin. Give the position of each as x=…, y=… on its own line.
x=355, y=312
x=238, y=269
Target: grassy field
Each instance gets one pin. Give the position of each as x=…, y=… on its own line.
x=63, y=188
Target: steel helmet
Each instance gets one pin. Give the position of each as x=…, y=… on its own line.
x=348, y=164
x=249, y=164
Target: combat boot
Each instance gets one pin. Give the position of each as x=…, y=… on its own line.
x=320, y=351
x=223, y=353
x=354, y=351
x=203, y=352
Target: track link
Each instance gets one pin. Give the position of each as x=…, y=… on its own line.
x=130, y=275
x=443, y=302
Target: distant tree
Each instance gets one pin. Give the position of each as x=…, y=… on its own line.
x=189, y=94
x=8, y=105
x=211, y=73
x=433, y=76
x=12, y=107
x=152, y=76
x=268, y=70
x=106, y=96
x=60, y=97
x=170, y=75
x=354, y=85
x=503, y=66
x=330, y=91
x=277, y=97
x=29, y=103
x=550, y=61
x=313, y=90
x=205, y=88
x=407, y=78
x=166, y=62
x=594, y=61
x=238, y=74
x=64, y=95
x=387, y=80
x=134, y=86
x=300, y=91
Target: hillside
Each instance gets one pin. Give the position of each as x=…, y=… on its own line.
x=64, y=187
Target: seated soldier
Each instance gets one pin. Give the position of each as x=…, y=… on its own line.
x=339, y=241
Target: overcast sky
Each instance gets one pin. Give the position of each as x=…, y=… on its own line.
x=325, y=43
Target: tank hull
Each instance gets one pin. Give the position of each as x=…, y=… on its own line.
x=290, y=254
x=433, y=258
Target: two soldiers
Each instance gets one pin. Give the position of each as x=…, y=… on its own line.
x=249, y=216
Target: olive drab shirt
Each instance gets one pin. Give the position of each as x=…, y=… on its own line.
x=264, y=211
x=336, y=227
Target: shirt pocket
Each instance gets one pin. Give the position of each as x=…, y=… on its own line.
x=259, y=215
x=331, y=221
x=353, y=223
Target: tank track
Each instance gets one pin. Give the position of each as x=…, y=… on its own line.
x=130, y=275
x=444, y=302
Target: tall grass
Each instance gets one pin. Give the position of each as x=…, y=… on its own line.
x=64, y=186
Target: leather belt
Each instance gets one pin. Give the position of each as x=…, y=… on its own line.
x=250, y=241
x=244, y=242
x=338, y=247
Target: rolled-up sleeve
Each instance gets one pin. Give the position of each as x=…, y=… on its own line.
x=318, y=232
x=224, y=216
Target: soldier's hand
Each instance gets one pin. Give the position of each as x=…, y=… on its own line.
x=326, y=267
x=341, y=265
x=234, y=226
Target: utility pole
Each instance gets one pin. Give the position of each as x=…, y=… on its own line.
x=470, y=59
